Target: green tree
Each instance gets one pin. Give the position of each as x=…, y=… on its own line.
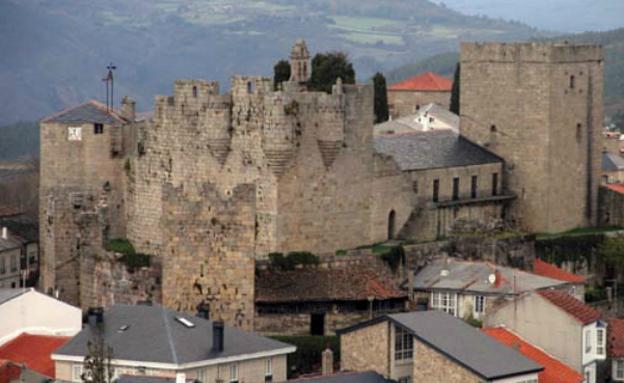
x=327, y=68
x=612, y=251
x=281, y=73
x=97, y=363
x=455, y=91
x=381, y=98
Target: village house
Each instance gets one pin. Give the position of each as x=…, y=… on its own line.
x=558, y=323
x=321, y=300
x=554, y=370
x=575, y=282
x=410, y=95
x=155, y=341
x=615, y=349
x=612, y=168
x=431, y=346
x=11, y=372
x=469, y=289
x=33, y=352
x=10, y=254
x=430, y=117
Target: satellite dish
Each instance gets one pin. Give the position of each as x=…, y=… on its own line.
x=492, y=278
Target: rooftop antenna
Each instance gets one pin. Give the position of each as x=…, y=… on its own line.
x=109, y=79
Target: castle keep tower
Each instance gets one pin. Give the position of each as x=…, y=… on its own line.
x=300, y=65
x=539, y=106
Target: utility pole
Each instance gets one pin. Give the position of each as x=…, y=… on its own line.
x=110, y=79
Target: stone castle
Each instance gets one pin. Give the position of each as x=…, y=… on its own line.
x=212, y=182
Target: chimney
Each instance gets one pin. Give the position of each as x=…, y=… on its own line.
x=217, y=336
x=128, y=107
x=203, y=311
x=327, y=362
x=95, y=315
x=5, y=234
x=180, y=377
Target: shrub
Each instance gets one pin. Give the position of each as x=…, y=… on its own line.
x=395, y=257
x=292, y=260
x=129, y=256
x=120, y=245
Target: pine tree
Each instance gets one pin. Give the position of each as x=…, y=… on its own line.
x=97, y=363
x=455, y=91
x=281, y=73
x=381, y=98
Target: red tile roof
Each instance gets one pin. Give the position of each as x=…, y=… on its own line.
x=549, y=270
x=9, y=371
x=618, y=188
x=615, y=343
x=554, y=370
x=34, y=351
x=579, y=310
x=424, y=82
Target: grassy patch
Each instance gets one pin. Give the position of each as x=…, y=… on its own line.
x=579, y=231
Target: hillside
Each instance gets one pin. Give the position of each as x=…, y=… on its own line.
x=20, y=141
x=58, y=49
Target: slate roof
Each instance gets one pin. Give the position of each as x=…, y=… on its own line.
x=554, y=370
x=90, y=112
x=473, y=276
x=427, y=81
x=341, y=377
x=460, y=342
x=8, y=294
x=24, y=229
x=155, y=335
x=549, y=270
x=615, y=341
x=432, y=149
x=11, y=242
x=612, y=162
x=580, y=311
x=34, y=351
x=319, y=285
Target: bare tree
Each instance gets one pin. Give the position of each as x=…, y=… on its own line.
x=97, y=366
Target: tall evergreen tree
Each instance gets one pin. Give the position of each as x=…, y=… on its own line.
x=381, y=98
x=327, y=68
x=281, y=73
x=455, y=91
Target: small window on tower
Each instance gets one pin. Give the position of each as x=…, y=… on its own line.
x=250, y=87
x=98, y=128
x=195, y=92
x=572, y=82
x=579, y=131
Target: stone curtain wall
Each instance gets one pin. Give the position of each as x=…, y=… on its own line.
x=539, y=106
x=208, y=256
x=367, y=349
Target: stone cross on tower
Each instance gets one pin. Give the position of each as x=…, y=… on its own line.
x=300, y=66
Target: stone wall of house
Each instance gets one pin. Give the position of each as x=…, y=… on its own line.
x=367, y=349
x=431, y=366
x=539, y=106
x=611, y=207
x=299, y=323
x=403, y=102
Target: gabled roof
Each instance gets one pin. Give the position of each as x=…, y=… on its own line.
x=473, y=276
x=432, y=150
x=580, y=311
x=427, y=81
x=615, y=342
x=154, y=334
x=319, y=284
x=8, y=294
x=34, y=351
x=460, y=342
x=549, y=270
x=554, y=370
x=90, y=112
x=612, y=162
x=618, y=188
x=344, y=377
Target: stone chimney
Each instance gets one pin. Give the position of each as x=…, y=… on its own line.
x=327, y=362
x=95, y=316
x=128, y=108
x=218, y=336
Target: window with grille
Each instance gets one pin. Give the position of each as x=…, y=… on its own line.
x=403, y=344
x=600, y=341
x=479, y=304
x=444, y=301
x=619, y=369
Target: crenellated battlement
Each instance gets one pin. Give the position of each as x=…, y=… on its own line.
x=531, y=52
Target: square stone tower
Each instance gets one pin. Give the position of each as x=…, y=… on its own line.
x=539, y=106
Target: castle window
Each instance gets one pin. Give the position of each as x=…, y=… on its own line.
x=417, y=107
x=391, y=224
x=415, y=186
x=455, y=188
x=98, y=128
x=579, y=129
x=494, y=184
x=473, y=187
x=572, y=82
x=250, y=87
x=194, y=92
x=436, y=190
x=493, y=129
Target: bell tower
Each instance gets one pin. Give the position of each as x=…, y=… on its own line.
x=300, y=65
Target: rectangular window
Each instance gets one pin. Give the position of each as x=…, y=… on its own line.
x=436, y=190
x=268, y=370
x=77, y=373
x=600, y=341
x=14, y=263
x=444, y=301
x=233, y=373
x=403, y=344
x=619, y=369
x=588, y=343
x=98, y=128
x=494, y=183
x=201, y=375
x=479, y=304
x=74, y=133
x=455, y=188
x=2, y=265
x=473, y=187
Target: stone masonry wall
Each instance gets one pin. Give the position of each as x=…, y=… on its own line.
x=367, y=349
x=208, y=254
x=539, y=106
x=431, y=366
